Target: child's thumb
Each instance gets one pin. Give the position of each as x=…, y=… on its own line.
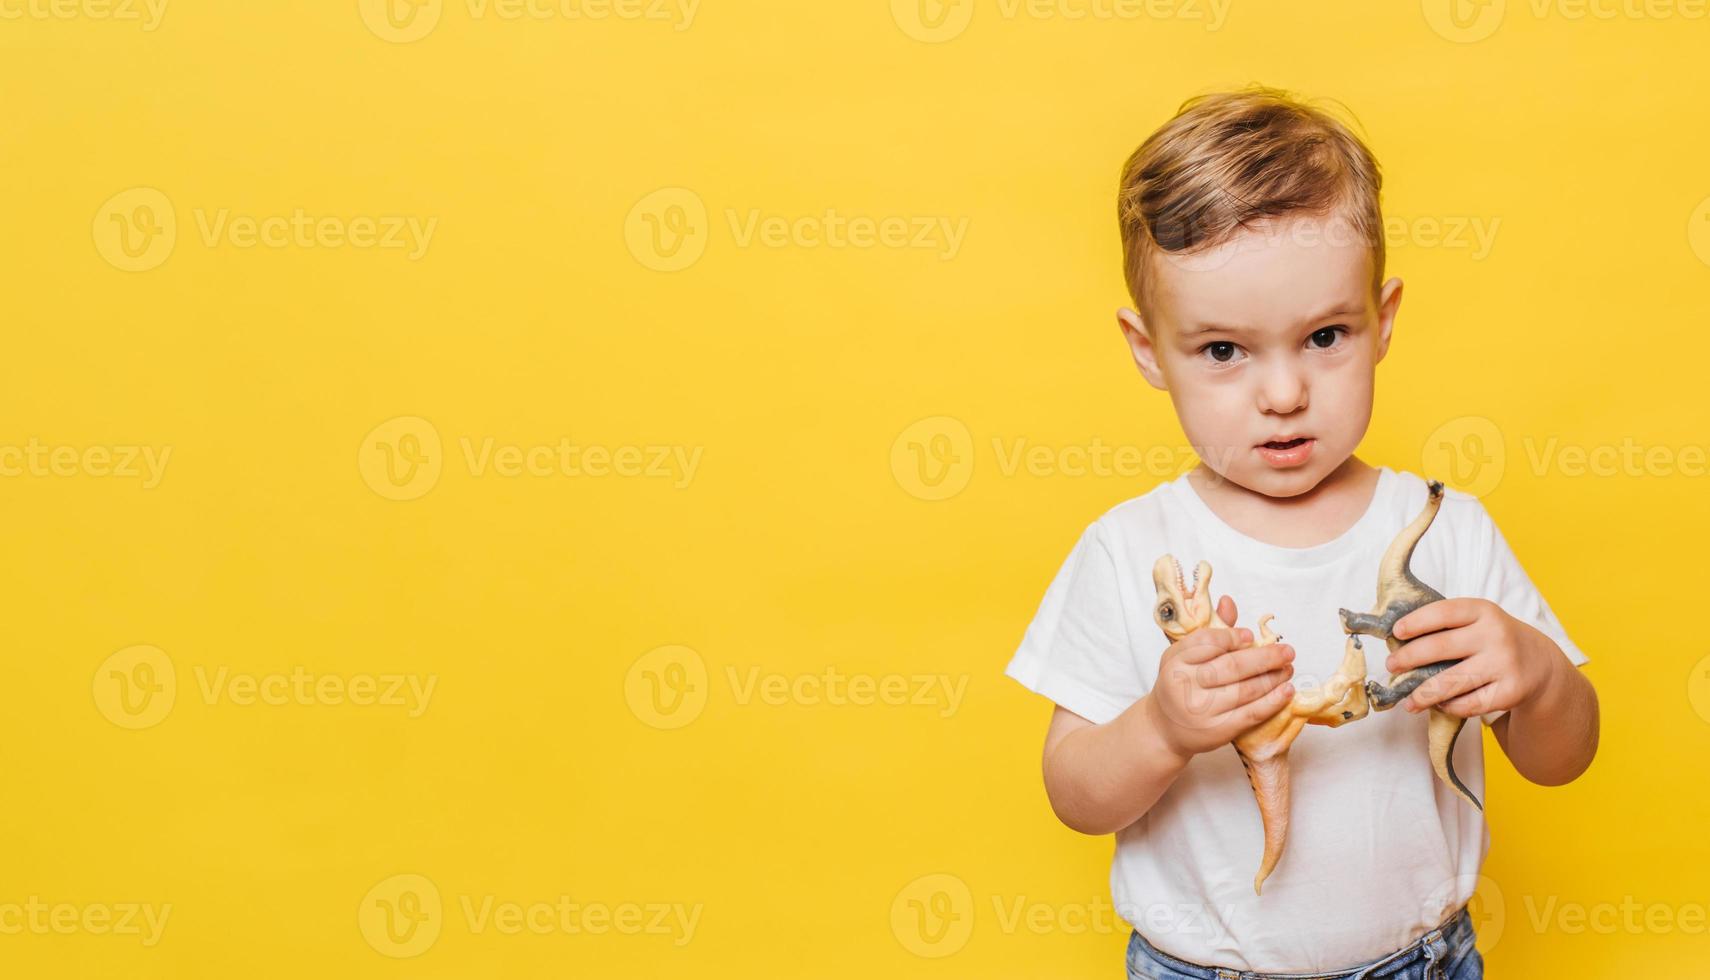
x=1226, y=610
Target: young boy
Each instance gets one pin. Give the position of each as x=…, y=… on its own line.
x=1254, y=253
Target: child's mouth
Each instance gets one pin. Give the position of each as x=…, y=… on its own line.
x=1287, y=452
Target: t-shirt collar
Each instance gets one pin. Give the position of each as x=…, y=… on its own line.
x=1252, y=549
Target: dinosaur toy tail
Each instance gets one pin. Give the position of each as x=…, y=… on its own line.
x=1441, y=730
x=1400, y=553
x=1269, y=778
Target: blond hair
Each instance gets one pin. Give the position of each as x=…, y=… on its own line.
x=1230, y=158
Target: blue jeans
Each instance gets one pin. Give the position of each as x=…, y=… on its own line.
x=1445, y=953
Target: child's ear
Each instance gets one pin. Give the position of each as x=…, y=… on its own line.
x=1140, y=343
x=1389, y=300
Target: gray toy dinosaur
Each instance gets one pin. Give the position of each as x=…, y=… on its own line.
x=1400, y=593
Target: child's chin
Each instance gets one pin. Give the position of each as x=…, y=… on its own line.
x=1279, y=482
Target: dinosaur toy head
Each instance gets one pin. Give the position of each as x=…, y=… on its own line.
x=1182, y=608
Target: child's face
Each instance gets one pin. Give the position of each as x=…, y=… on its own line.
x=1273, y=334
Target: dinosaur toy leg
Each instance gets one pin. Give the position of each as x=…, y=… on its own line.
x=1441, y=730
x=1404, y=684
x=1263, y=749
x=1264, y=754
x=1441, y=727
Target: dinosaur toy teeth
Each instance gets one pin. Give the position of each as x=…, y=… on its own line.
x=1188, y=591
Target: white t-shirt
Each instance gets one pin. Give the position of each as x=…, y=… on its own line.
x=1379, y=850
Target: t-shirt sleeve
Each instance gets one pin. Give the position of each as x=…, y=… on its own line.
x=1499, y=577
x=1078, y=650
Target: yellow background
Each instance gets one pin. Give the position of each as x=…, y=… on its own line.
x=802, y=543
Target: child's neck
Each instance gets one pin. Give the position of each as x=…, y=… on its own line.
x=1302, y=521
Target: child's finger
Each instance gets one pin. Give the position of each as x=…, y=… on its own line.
x=1432, y=648
x=1457, y=680
x=1206, y=644
x=1258, y=710
x=1475, y=702
x=1226, y=609
x=1440, y=615
x=1235, y=695
x=1238, y=665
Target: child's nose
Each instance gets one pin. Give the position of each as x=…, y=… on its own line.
x=1282, y=389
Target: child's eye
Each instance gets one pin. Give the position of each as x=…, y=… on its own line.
x=1327, y=335
x=1221, y=351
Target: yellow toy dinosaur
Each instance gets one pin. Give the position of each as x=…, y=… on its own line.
x=1263, y=749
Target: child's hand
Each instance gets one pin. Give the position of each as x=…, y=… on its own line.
x=1210, y=690
x=1504, y=662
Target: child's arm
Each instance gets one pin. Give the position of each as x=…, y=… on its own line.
x=1101, y=778
x=1550, y=733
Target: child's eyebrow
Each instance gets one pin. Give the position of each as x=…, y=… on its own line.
x=1200, y=328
